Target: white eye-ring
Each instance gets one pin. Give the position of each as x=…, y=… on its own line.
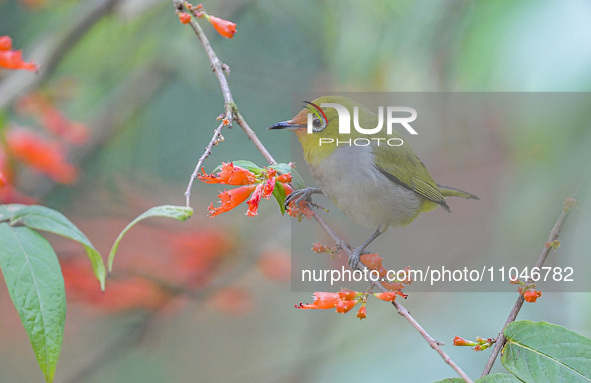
x=318, y=124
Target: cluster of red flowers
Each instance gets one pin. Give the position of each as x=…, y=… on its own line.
x=10, y=59
x=345, y=300
x=20, y=146
x=223, y=27
x=257, y=184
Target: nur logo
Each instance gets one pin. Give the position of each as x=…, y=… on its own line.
x=317, y=120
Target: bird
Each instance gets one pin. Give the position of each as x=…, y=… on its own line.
x=378, y=181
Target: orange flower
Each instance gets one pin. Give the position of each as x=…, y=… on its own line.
x=393, y=285
x=5, y=43
x=2, y=179
x=269, y=187
x=224, y=27
x=322, y=301
x=344, y=306
x=284, y=178
x=229, y=175
x=44, y=156
x=230, y=199
x=349, y=295
x=389, y=296
x=531, y=295
x=185, y=18
x=14, y=60
x=362, y=313
x=253, y=202
x=463, y=342
x=54, y=121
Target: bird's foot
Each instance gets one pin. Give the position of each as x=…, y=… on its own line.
x=300, y=195
x=355, y=257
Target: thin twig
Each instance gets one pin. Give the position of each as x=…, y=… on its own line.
x=554, y=234
x=217, y=136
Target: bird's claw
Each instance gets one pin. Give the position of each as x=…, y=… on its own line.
x=300, y=195
x=355, y=257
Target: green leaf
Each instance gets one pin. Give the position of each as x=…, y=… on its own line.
x=36, y=286
x=544, y=352
x=279, y=194
x=46, y=219
x=180, y=213
x=7, y=211
x=499, y=378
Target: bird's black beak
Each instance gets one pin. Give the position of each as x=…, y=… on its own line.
x=289, y=124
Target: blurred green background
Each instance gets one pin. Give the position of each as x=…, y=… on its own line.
x=142, y=84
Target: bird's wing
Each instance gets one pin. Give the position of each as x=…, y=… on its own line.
x=403, y=167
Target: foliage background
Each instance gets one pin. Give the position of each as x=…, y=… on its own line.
x=142, y=84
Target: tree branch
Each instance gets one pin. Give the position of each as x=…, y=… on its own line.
x=554, y=234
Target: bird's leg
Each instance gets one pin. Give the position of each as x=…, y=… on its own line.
x=300, y=195
x=356, y=254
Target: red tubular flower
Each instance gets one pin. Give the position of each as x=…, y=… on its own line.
x=41, y=155
x=224, y=27
x=344, y=306
x=14, y=60
x=5, y=43
x=463, y=342
x=229, y=175
x=362, y=313
x=269, y=187
x=531, y=295
x=349, y=295
x=230, y=199
x=185, y=18
x=393, y=286
x=372, y=261
x=389, y=296
x=284, y=178
x=321, y=301
x=253, y=202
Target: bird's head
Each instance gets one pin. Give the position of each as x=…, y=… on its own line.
x=325, y=126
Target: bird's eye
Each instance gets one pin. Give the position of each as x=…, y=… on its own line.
x=318, y=125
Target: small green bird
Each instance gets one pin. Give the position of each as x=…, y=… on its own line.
x=373, y=182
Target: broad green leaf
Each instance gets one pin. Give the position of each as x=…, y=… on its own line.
x=544, y=352
x=46, y=219
x=499, y=378
x=36, y=286
x=180, y=213
x=279, y=194
x=7, y=211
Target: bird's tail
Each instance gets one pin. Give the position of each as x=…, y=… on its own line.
x=451, y=192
